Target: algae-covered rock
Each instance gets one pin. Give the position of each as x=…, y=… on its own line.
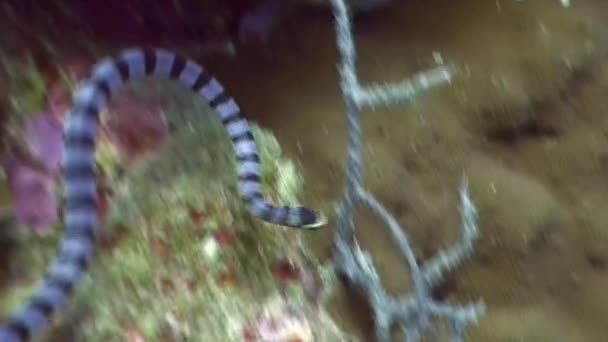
x=27, y=94
x=183, y=259
x=195, y=262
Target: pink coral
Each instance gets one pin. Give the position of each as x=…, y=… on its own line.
x=136, y=128
x=33, y=196
x=279, y=322
x=33, y=190
x=44, y=136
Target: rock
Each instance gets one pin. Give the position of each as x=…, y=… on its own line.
x=516, y=212
x=591, y=218
x=524, y=324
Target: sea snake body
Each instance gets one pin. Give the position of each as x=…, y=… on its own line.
x=81, y=218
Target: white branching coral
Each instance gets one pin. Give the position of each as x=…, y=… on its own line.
x=412, y=312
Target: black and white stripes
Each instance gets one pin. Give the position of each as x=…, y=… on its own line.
x=81, y=218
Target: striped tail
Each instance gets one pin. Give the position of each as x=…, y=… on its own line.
x=81, y=218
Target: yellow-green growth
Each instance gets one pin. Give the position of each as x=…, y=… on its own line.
x=27, y=94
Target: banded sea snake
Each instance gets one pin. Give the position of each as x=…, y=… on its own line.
x=81, y=218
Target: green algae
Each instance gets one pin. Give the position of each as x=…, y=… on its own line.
x=27, y=94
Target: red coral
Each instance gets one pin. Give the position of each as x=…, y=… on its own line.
x=225, y=237
x=285, y=272
x=197, y=216
x=249, y=335
x=227, y=279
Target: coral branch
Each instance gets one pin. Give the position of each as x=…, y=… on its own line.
x=411, y=312
x=447, y=260
x=400, y=93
